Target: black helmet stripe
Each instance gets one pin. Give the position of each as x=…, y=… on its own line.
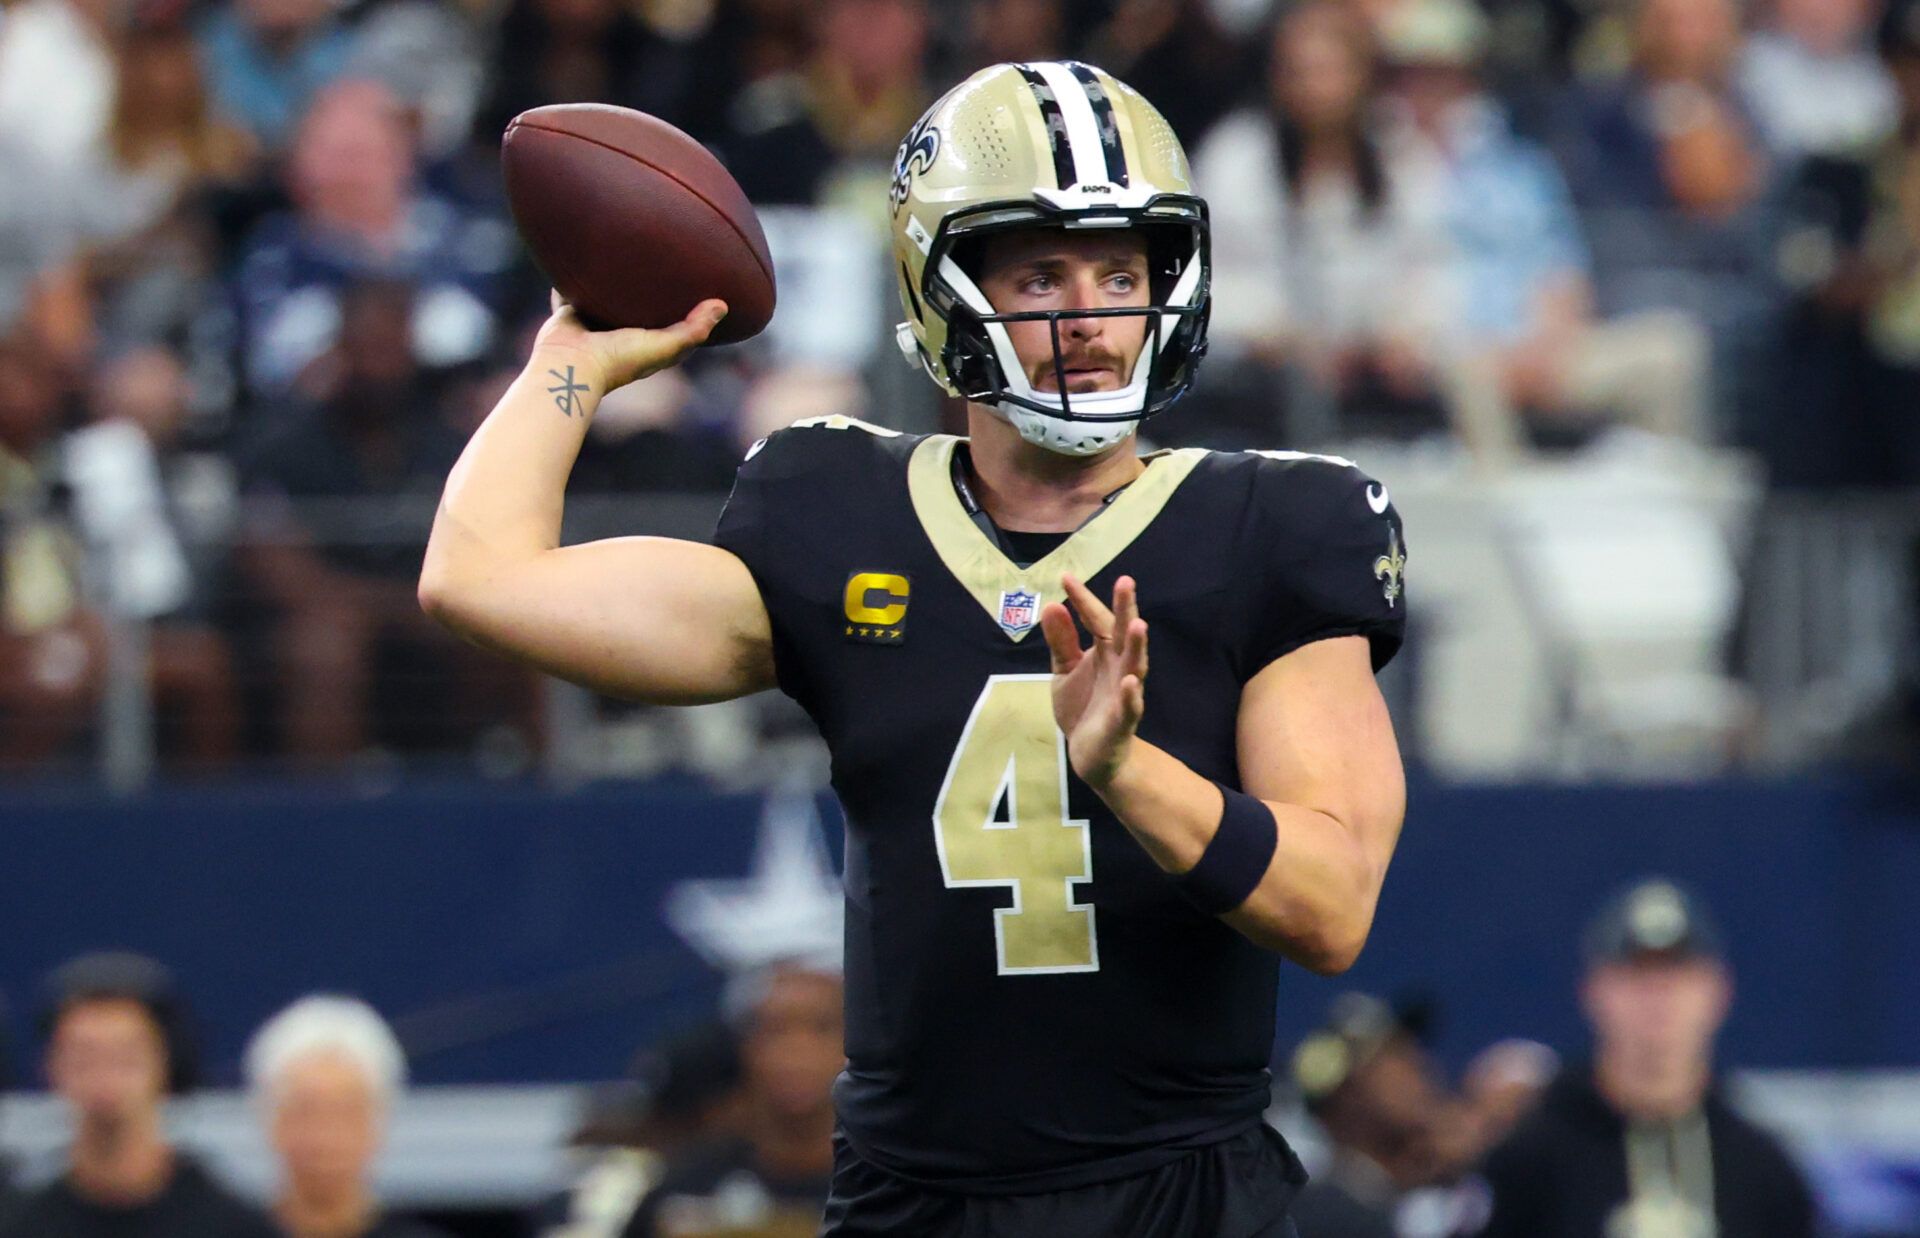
x=1104, y=117
x=1056, y=122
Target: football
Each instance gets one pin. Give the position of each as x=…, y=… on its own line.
x=633, y=221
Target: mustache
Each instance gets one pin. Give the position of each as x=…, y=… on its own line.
x=1086, y=359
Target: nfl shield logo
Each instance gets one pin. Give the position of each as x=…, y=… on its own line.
x=1018, y=611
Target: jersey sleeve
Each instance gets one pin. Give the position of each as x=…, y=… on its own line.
x=780, y=517
x=1331, y=559
x=745, y=522
x=751, y=528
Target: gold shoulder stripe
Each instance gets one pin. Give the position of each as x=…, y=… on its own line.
x=840, y=421
x=981, y=567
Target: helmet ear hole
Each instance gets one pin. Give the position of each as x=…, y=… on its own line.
x=969, y=354
x=969, y=253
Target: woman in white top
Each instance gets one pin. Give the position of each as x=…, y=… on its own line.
x=1320, y=260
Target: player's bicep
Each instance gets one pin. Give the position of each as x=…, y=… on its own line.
x=1313, y=731
x=651, y=618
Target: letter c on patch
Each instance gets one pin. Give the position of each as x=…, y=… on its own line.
x=860, y=599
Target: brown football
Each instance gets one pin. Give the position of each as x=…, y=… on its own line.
x=634, y=221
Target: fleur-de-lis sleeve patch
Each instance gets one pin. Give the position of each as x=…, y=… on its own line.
x=1388, y=568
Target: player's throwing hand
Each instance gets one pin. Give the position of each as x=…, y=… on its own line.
x=615, y=358
x=1099, y=692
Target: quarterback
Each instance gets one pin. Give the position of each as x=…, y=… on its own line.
x=1072, y=868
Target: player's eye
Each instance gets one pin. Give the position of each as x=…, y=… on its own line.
x=1042, y=282
x=1123, y=282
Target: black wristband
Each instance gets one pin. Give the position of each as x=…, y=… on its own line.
x=1234, y=862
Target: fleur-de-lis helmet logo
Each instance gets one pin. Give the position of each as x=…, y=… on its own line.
x=917, y=153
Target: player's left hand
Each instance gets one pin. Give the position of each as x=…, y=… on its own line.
x=1099, y=692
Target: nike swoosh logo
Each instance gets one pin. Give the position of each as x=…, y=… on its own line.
x=1377, y=499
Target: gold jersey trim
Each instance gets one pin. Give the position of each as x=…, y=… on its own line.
x=984, y=570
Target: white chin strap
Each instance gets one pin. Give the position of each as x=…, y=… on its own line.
x=1069, y=438
x=1056, y=431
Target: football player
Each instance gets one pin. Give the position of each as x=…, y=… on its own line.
x=1071, y=875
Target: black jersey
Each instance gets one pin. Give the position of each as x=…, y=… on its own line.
x=1031, y=1004
x=192, y=1205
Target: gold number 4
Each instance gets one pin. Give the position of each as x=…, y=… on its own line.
x=1011, y=748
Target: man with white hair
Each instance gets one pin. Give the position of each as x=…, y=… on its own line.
x=325, y=1071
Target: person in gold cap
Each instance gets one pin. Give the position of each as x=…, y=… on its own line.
x=1642, y=1143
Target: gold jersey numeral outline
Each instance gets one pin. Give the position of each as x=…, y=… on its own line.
x=1011, y=747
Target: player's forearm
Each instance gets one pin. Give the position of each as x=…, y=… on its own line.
x=1315, y=902
x=504, y=499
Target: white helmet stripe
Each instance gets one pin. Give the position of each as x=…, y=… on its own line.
x=1103, y=116
x=1183, y=294
x=1083, y=131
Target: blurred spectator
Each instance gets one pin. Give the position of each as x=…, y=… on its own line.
x=360, y=214
x=794, y=138
x=1004, y=30
x=1642, y=1141
x=1321, y=264
x=157, y=193
x=769, y=1177
x=326, y=1072
x=340, y=496
x=162, y=144
x=42, y=285
x=1193, y=58
x=1534, y=43
x=1521, y=340
x=429, y=54
x=666, y=432
x=1851, y=247
x=1370, y=1083
x=1669, y=172
x=1891, y=248
x=1811, y=80
x=117, y=1044
x=587, y=51
x=56, y=76
x=267, y=59
x=1502, y=1084
x=773, y=36
x=163, y=516
x=52, y=653
x=681, y=1093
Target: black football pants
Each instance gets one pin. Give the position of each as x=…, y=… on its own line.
x=1237, y=1188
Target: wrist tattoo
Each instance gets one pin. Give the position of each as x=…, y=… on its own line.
x=565, y=392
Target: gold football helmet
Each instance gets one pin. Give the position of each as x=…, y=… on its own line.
x=1055, y=144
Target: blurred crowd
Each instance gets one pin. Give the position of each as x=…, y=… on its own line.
x=257, y=282
x=724, y=1130
x=727, y=1129
x=1636, y=1137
